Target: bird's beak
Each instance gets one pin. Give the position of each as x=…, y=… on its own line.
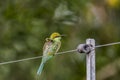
x=63, y=35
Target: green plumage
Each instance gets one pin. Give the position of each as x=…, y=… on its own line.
x=51, y=47
x=42, y=64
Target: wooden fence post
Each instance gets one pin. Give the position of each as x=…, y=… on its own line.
x=90, y=61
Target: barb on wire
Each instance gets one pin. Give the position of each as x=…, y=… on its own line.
x=32, y=58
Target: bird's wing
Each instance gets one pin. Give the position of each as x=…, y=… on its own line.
x=58, y=47
x=47, y=45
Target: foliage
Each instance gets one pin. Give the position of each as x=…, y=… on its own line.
x=24, y=25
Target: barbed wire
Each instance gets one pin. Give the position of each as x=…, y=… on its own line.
x=69, y=51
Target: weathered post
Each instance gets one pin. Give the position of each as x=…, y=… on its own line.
x=89, y=49
x=90, y=60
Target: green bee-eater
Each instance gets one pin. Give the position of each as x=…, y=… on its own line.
x=51, y=47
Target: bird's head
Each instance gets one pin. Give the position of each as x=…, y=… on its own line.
x=55, y=35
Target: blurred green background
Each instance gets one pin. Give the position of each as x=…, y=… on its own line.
x=24, y=25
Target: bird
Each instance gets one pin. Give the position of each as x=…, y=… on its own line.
x=50, y=48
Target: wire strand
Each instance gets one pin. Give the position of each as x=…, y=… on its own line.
x=109, y=44
x=67, y=51
x=20, y=60
x=32, y=58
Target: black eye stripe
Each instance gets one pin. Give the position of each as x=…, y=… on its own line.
x=57, y=36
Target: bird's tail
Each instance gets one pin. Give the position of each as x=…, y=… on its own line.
x=40, y=69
